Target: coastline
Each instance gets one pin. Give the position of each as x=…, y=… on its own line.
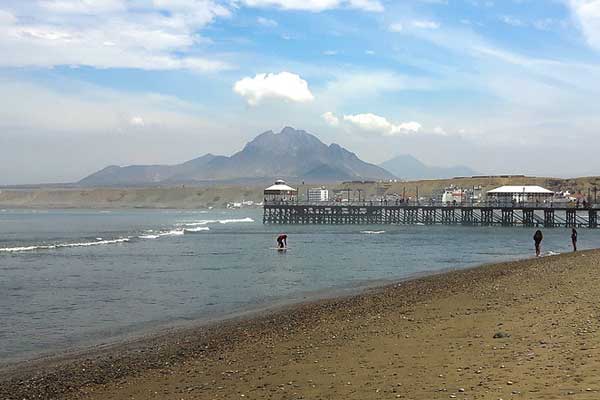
x=116, y=370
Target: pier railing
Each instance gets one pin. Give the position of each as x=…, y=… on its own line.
x=466, y=204
x=531, y=214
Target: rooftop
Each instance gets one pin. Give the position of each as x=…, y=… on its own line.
x=280, y=185
x=521, y=189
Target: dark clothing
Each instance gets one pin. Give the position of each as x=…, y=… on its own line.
x=537, y=238
x=282, y=241
x=574, y=239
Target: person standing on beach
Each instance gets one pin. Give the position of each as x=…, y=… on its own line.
x=574, y=239
x=537, y=238
x=282, y=241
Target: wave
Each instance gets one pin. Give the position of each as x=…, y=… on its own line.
x=198, y=229
x=149, y=236
x=61, y=245
x=373, y=232
x=232, y=221
x=173, y=232
x=219, y=221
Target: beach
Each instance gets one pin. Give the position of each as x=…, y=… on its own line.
x=527, y=328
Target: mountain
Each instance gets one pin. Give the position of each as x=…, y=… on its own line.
x=291, y=154
x=408, y=167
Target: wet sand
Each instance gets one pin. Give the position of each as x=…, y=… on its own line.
x=527, y=329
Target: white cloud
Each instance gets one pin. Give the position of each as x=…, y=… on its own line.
x=83, y=6
x=330, y=52
x=377, y=124
x=440, y=131
x=108, y=34
x=284, y=86
x=396, y=27
x=267, y=22
x=416, y=24
x=137, y=121
x=330, y=118
x=366, y=5
x=513, y=21
x=317, y=5
x=587, y=14
x=425, y=24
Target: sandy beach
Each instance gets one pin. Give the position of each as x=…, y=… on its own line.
x=527, y=329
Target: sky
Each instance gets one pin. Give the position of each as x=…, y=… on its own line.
x=507, y=86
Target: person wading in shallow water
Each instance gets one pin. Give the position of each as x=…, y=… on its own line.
x=574, y=239
x=537, y=238
x=282, y=241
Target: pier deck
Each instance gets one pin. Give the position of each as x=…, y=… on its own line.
x=410, y=214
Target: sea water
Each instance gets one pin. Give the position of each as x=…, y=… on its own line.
x=70, y=279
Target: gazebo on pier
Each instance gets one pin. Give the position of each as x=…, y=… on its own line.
x=280, y=192
x=519, y=194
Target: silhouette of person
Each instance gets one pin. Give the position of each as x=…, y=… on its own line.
x=574, y=239
x=537, y=238
x=282, y=241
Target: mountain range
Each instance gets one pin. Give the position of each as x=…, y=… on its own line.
x=290, y=154
x=409, y=168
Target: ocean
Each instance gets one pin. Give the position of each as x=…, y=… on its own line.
x=75, y=278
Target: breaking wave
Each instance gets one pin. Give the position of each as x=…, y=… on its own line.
x=219, y=221
x=61, y=245
x=197, y=229
x=372, y=232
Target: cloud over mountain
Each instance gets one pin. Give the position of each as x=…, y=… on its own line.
x=284, y=86
x=377, y=124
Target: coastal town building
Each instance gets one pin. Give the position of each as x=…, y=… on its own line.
x=318, y=195
x=520, y=194
x=280, y=192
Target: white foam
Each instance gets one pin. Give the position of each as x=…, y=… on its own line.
x=148, y=236
x=219, y=221
x=174, y=232
x=198, y=229
x=61, y=245
x=202, y=222
x=233, y=221
x=373, y=232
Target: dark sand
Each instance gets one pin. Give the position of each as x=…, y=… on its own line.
x=429, y=338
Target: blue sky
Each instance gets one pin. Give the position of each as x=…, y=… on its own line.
x=502, y=86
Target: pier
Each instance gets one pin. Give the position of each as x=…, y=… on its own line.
x=527, y=215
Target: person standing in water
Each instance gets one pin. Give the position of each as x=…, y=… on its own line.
x=537, y=238
x=282, y=241
x=574, y=239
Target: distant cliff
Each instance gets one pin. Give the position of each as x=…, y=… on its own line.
x=408, y=167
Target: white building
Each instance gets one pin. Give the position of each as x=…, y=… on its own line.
x=452, y=196
x=520, y=194
x=318, y=195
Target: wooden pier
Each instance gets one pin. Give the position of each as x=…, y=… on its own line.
x=411, y=214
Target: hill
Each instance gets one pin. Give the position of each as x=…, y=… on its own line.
x=220, y=195
x=408, y=167
x=290, y=154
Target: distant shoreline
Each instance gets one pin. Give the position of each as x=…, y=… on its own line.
x=219, y=195
x=106, y=365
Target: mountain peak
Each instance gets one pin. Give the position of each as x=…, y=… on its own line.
x=291, y=153
x=288, y=130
